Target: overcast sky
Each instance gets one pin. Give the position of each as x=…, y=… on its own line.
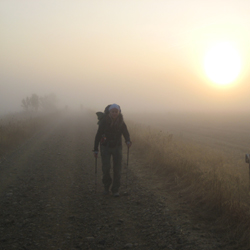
x=143, y=55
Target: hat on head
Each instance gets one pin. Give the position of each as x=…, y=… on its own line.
x=114, y=106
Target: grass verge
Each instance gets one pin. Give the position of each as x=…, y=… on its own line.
x=203, y=176
x=17, y=128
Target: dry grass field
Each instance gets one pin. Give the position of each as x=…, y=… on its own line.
x=18, y=127
x=203, y=157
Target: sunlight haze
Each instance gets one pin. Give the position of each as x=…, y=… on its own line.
x=222, y=63
x=145, y=56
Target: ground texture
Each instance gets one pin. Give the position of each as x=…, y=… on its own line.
x=49, y=200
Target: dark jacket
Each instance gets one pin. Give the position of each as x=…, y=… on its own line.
x=111, y=135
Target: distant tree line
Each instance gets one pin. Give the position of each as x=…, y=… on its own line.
x=34, y=102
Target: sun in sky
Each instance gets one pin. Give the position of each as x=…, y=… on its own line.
x=222, y=63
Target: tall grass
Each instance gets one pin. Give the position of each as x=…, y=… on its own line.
x=16, y=128
x=205, y=177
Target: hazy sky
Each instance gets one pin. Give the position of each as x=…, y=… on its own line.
x=143, y=55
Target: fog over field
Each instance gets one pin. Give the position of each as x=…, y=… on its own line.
x=180, y=71
x=146, y=56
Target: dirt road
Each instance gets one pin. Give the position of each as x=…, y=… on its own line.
x=48, y=199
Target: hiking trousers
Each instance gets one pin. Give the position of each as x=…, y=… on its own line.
x=116, y=153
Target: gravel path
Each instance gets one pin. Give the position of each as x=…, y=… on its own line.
x=48, y=200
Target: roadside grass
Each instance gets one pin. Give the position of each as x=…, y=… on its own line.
x=18, y=127
x=206, y=177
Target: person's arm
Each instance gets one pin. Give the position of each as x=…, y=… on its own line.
x=98, y=137
x=126, y=135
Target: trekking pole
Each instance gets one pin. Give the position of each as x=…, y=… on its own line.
x=126, y=192
x=247, y=160
x=127, y=170
x=95, y=174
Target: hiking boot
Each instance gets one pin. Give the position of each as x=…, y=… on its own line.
x=116, y=194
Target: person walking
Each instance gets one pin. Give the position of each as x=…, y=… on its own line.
x=109, y=136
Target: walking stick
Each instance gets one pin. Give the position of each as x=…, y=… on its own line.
x=127, y=168
x=95, y=174
x=247, y=160
x=126, y=193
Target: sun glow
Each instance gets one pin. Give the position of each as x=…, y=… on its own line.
x=222, y=63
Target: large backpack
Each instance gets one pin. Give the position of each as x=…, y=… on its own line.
x=101, y=115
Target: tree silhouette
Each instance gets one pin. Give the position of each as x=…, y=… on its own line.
x=34, y=101
x=26, y=103
x=48, y=102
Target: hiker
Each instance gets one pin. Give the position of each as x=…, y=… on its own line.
x=109, y=135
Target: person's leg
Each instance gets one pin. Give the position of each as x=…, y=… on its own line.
x=106, y=157
x=117, y=167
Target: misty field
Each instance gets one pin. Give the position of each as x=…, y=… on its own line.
x=18, y=127
x=201, y=157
